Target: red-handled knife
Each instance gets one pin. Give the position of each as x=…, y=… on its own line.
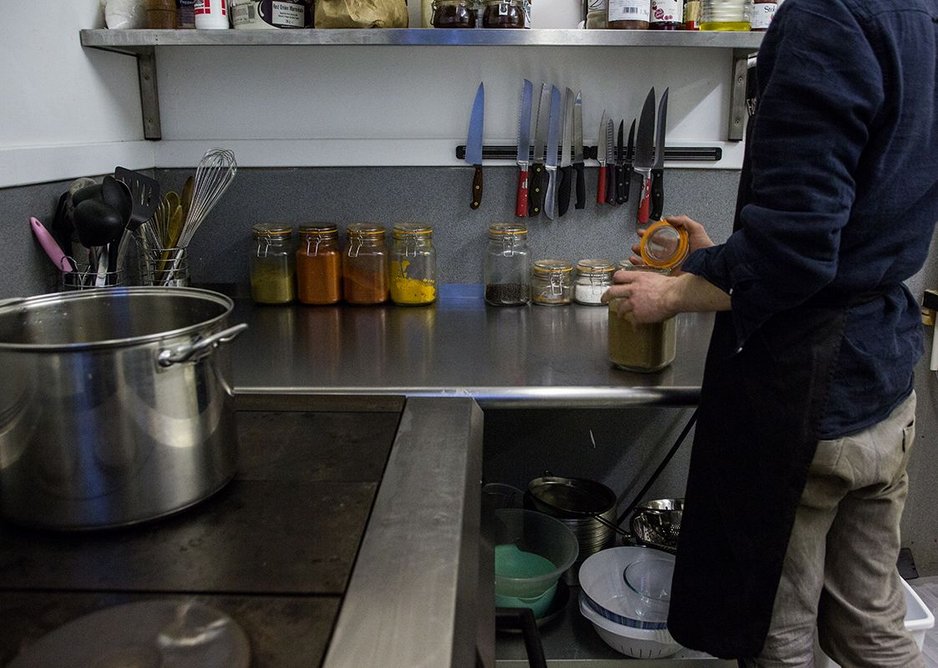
x=601, y=184
x=645, y=154
x=524, y=149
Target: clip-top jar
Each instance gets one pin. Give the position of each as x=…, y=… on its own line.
x=642, y=347
x=413, y=265
x=506, y=14
x=507, y=265
x=593, y=278
x=365, y=265
x=273, y=264
x=319, y=265
x=552, y=282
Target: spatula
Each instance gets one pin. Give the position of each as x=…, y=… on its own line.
x=144, y=192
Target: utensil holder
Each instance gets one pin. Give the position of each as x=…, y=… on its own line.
x=87, y=277
x=166, y=267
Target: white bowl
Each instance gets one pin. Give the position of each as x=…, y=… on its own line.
x=602, y=580
x=631, y=641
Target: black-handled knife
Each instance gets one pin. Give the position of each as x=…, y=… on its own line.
x=621, y=196
x=629, y=156
x=657, y=172
x=474, y=145
x=565, y=171
x=537, y=177
x=610, y=163
x=578, y=165
x=563, y=195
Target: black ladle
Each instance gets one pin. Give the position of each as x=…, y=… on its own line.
x=97, y=223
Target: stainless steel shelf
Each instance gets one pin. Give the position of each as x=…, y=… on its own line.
x=130, y=41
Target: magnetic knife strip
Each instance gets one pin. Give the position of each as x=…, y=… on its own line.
x=673, y=153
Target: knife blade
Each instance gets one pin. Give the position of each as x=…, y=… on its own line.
x=610, y=163
x=620, y=164
x=553, y=136
x=537, y=181
x=657, y=172
x=524, y=148
x=566, y=162
x=474, y=145
x=645, y=154
x=629, y=156
x=578, y=165
x=601, y=157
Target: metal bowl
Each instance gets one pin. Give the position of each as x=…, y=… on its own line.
x=657, y=523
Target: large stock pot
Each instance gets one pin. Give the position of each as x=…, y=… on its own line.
x=116, y=405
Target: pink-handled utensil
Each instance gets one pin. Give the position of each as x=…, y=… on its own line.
x=62, y=261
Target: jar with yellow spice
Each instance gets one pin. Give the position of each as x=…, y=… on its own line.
x=413, y=265
x=318, y=265
x=365, y=265
x=273, y=264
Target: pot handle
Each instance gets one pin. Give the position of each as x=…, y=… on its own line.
x=200, y=348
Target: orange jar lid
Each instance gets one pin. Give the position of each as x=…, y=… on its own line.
x=663, y=246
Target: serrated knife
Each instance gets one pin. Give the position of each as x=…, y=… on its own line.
x=657, y=172
x=566, y=155
x=601, y=158
x=474, y=145
x=578, y=165
x=645, y=154
x=537, y=181
x=524, y=149
x=553, y=137
x=610, y=162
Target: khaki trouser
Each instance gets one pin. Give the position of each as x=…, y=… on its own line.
x=840, y=567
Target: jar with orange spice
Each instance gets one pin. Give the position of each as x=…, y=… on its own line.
x=319, y=265
x=365, y=265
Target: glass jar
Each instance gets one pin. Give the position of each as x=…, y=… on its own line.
x=663, y=246
x=319, y=265
x=507, y=265
x=691, y=14
x=645, y=348
x=666, y=15
x=552, y=282
x=505, y=14
x=725, y=14
x=413, y=265
x=628, y=14
x=762, y=13
x=593, y=278
x=365, y=265
x=273, y=264
x=454, y=14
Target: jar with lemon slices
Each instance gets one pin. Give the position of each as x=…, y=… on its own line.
x=413, y=279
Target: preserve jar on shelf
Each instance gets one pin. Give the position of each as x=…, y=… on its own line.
x=454, y=14
x=365, y=265
x=273, y=264
x=413, y=265
x=319, y=265
x=593, y=278
x=506, y=14
x=628, y=14
x=552, y=282
x=725, y=14
x=507, y=265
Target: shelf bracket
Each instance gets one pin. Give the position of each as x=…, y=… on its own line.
x=149, y=92
x=738, y=110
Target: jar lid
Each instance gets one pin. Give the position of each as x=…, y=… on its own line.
x=364, y=230
x=322, y=230
x=500, y=230
x=552, y=267
x=663, y=245
x=403, y=230
x=272, y=230
x=593, y=267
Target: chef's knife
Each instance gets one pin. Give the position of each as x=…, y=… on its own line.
x=645, y=154
x=537, y=182
x=578, y=165
x=566, y=162
x=524, y=148
x=474, y=145
x=610, y=163
x=620, y=164
x=601, y=157
x=657, y=172
x=553, y=136
x=629, y=156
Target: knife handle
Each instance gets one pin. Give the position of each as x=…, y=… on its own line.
x=657, y=193
x=563, y=197
x=476, y=187
x=550, y=196
x=621, y=197
x=601, y=186
x=610, y=184
x=536, y=187
x=580, y=169
x=645, y=199
x=521, y=196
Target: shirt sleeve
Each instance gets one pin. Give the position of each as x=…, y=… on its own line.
x=820, y=86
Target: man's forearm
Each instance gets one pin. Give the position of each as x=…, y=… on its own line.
x=691, y=293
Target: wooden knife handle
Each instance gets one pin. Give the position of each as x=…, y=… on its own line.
x=536, y=189
x=601, y=186
x=657, y=193
x=476, y=187
x=521, y=196
x=563, y=196
x=580, y=170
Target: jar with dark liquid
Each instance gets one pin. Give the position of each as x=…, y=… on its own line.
x=454, y=14
x=505, y=14
x=628, y=14
x=507, y=265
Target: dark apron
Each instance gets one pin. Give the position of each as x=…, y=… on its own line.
x=755, y=438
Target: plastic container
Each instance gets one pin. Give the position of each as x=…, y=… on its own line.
x=637, y=643
x=211, y=14
x=270, y=14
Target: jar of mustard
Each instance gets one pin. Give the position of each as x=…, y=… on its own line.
x=273, y=264
x=413, y=265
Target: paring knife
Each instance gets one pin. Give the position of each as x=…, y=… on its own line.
x=657, y=172
x=601, y=157
x=553, y=136
x=566, y=161
x=620, y=164
x=537, y=182
x=610, y=163
x=474, y=145
x=578, y=165
x=524, y=148
x=645, y=154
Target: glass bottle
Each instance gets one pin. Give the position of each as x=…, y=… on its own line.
x=593, y=278
x=552, y=282
x=645, y=348
x=319, y=265
x=273, y=264
x=666, y=15
x=365, y=265
x=725, y=14
x=762, y=13
x=507, y=265
x=413, y=265
x=505, y=14
x=628, y=14
x=453, y=14
x=691, y=14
